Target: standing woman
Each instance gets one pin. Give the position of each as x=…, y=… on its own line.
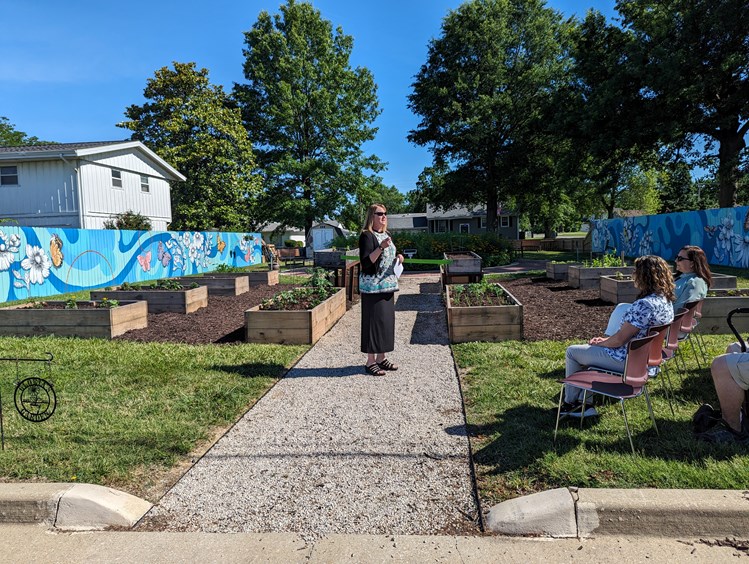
x=377, y=284
x=693, y=275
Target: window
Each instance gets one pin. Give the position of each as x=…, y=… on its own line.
x=465, y=228
x=116, y=179
x=504, y=221
x=483, y=222
x=144, y=184
x=441, y=226
x=8, y=176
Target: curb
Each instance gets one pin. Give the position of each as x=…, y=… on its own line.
x=587, y=512
x=70, y=506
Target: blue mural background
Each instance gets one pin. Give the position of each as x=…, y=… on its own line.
x=41, y=262
x=722, y=233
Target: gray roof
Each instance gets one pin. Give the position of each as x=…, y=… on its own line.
x=59, y=146
x=407, y=221
x=458, y=212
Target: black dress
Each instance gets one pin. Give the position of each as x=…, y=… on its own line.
x=378, y=309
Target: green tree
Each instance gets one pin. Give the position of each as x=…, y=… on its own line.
x=372, y=191
x=691, y=59
x=488, y=81
x=190, y=123
x=11, y=137
x=308, y=113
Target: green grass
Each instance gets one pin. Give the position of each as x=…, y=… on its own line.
x=511, y=392
x=127, y=412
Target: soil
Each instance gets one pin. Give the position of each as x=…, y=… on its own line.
x=552, y=310
x=221, y=322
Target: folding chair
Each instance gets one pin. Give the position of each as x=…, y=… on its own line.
x=656, y=362
x=669, y=350
x=688, y=323
x=698, y=338
x=630, y=384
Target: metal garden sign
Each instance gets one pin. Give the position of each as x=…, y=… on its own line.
x=34, y=396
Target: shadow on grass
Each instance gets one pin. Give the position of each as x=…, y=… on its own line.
x=522, y=437
x=253, y=370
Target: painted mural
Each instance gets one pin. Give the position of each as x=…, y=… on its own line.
x=41, y=262
x=722, y=233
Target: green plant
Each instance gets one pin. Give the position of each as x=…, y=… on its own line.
x=107, y=303
x=194, y=285
x=169, y=284
x=227, y=268
x=128, y=287
x=293, y=243
x=38, y=304
x=70, y=303
x=479, y=293
x=607, y=260
x=129, y=220
x=319, y=278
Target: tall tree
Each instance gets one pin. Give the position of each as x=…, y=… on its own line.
x=692, y=58
x=486, y=83
x=11, y=137
x=372, y=191
x=308, y=112
x=190, y=123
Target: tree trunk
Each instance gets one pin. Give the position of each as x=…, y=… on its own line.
x=491, y=211
x=730, y=145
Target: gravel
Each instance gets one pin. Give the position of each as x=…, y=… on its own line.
x=332, y=450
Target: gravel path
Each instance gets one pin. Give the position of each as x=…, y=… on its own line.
x=332, y=450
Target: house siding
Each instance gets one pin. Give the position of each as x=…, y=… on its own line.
x=46, y=194
x=101, y=200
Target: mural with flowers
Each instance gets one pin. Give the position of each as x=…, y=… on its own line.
x=722, y=233
x=41, y=262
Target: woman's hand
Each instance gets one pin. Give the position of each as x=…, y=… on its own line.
x=595, y=341
x=400, y=258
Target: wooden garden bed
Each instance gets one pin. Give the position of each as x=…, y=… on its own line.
x=618, y=290
x=87, y=321
x=588, y=277
x=484, y=323
x=220, y=285
x=294, y=327
x=716, y=308
x=269, y=278
x=558, y=270
x=160, y=301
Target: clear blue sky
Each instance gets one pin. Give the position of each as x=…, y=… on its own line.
x=69, y=69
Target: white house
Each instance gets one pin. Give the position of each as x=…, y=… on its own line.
x=81, y=185
x=322, y=234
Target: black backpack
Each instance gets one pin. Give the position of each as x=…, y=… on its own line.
x=705, y=418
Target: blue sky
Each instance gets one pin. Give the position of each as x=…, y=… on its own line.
x=69, y=69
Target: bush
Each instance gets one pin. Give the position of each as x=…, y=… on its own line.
x=493, y=249
x=293, y=244
x=129, y=220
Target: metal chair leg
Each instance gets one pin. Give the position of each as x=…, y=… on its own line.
x=559, y=411
x=666, y=385
x=650, y=409
x=626, y=426
x=694, y=351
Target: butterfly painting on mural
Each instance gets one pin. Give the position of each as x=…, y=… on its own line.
x=162, y=255
x=145, y=261
x=221, y=244
x=55, y=250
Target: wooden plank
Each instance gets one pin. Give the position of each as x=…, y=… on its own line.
x=286, y=336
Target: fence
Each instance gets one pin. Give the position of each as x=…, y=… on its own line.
x=41, y=262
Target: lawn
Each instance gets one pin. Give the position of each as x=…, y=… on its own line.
x=129, y=412
x=511, y=391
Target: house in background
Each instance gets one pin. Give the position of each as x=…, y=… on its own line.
x=408, y=223
x=464, y=220
x=82, y=185
x=275, y=236
x=322, y=233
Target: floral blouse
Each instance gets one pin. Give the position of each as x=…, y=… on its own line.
x=645, y=313
x=384, y=280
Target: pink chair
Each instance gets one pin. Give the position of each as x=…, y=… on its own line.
x=688, y=329
x=630, y=384
x=656, y=362
x=670, y=351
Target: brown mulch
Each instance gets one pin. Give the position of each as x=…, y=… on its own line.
x=221, y=322
x=554, y=311
x=551, y=310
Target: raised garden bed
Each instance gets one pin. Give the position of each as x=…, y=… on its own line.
x=588, y=277
x=558, y=270
x=220, y=285
x=484, y=322
x=464, y=268
x=716, y=307
x=186, y=300
x=267, y=278
x=723, y=282
x=86, y=320
x=618, y=289
x=294, y=327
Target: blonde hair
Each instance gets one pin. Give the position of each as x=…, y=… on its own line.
x=653, y=276
x=369, y=222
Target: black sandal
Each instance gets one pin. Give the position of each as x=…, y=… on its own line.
x=387, y=365
x=374, y=369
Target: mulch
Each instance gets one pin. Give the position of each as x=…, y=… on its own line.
x=551, y=311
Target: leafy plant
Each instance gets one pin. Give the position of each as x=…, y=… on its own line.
x=107, y=303
x=169, y=284
x=70, y=303
x=607, y=260
x=129, y=220
x=480, y=293
x=227, y=268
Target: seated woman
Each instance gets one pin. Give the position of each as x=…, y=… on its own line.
x=730, y=374
x=692, y=281
x=653, y=278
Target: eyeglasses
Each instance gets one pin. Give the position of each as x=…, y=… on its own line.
x=680, y=258
x=380, y=214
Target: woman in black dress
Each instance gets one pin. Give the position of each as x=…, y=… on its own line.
x=377, y=284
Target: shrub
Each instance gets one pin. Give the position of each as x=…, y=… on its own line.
x=293, y=244
x=129, y=220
